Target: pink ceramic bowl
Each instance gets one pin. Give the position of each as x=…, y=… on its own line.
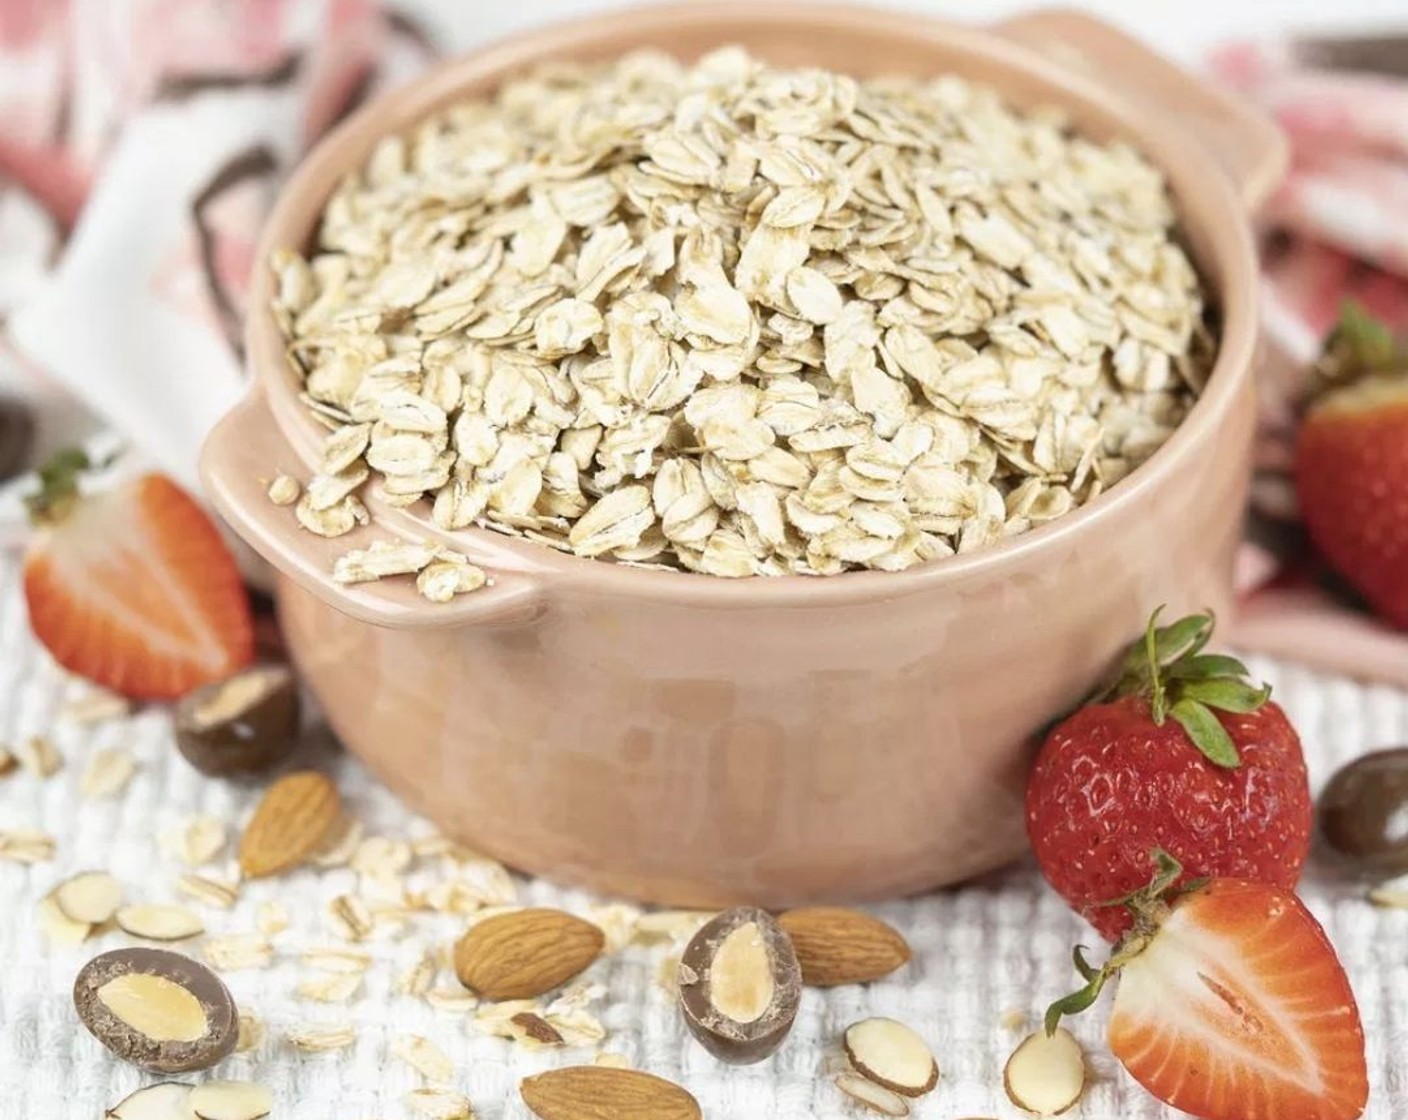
x=699, y=741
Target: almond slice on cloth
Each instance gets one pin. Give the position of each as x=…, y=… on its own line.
x=889, y=1053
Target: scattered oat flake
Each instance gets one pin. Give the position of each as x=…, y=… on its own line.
x=610, y=1059
x=251, y=1033
x=39, y=757
x=1391, y=898
x=284, y=490
x=617, y=920
x=452, y=999
x=424, y=1056
x=107, y=773
x=440, y=1104
x=349, y=918
x=669, y=925
x=313, y=1038
x=333, y=988
x=26, y=845
x=271, y=917
x=212, y=891
x=233, y=951
x=196, y=841
x=416, y=979
x=341, y=842
x=96, y=706
x=345, y=961
x=382, y=856
x=1014, y=1019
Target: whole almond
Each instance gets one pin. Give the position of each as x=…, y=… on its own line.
x=835, y=945
x=604, y=1093
x=297, y=812
x=524, y=953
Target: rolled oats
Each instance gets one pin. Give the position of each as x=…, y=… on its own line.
x=737, y=320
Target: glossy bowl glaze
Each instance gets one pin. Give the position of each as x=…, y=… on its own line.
x=697, y=741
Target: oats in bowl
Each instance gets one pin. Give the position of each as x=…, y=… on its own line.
x=741, y=320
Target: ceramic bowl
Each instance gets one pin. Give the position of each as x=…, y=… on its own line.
x=699, y=741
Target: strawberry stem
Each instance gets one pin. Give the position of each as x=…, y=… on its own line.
x=1168, y=667
x=1150, y=905
x=58, y=486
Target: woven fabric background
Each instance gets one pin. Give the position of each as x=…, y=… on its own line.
x=997, y=945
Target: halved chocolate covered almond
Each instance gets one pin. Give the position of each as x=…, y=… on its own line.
x=240, y=725
x=740, y=985
x=157, y=1009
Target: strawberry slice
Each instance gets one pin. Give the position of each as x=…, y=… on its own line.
x=1239, y=1008
x=1232, y=1004
x=133, y=588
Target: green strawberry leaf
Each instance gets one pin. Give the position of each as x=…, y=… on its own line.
x=1205, y=665
x=1087, y=970
x=1208, y=735
x=1183, y=638
x=1227, y=695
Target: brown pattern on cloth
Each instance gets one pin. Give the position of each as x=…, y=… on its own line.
x=257, y=163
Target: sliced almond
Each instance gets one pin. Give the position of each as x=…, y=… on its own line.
x=58, y=927
x=92, y=896
x=231, y=1100
x=889, y=1053
x=875, y=1097
x=195, y=842
x=271, y=917
x=1046, y=1073
x=169, y=1100
x=293, y=819
x=159, y=923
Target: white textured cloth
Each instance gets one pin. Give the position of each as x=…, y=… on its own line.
x=994, y=946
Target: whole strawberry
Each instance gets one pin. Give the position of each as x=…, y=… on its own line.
x=1352, y=464
x=1180, y=753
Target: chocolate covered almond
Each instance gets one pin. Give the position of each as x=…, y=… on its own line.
x=242, y=724
x=740, y=985
x=157, y=1009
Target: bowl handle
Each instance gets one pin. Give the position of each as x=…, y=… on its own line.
x=1246, y=143
x=240, y=456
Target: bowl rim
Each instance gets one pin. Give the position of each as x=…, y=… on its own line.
x=1212, y=206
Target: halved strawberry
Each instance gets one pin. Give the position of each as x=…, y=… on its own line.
x=134, y=588
x=1232, y=1005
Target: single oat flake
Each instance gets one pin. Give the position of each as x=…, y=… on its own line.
x=737, y=320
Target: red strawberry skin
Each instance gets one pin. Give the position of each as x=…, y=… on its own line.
x=1238, y=1009
x=1352, y=481
x=135, y=590
x=1109, y=786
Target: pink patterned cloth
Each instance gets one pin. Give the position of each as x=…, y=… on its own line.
x=1337, y=231
x=141, y=142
